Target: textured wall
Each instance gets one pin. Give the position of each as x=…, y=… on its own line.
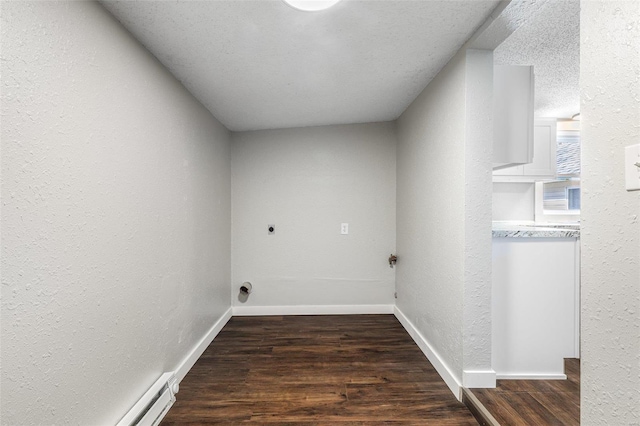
x=437, y=222
x=115, y=216
x=430, y=212
x=478, y=163
x=307, y=182
x=610, y=91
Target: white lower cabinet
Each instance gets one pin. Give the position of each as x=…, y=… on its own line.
x=535, y=306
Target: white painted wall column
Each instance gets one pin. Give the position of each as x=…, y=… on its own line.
x=444, y=190
x=478, y=160
x=610, y=95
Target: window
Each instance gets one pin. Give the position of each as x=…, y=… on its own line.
x=561, y=195
x=573, y=194
x=559, y=200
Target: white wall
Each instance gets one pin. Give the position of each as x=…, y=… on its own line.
x=478, y=163
x=610, y=227
x=513, y=201
x=443, y=276
x=307, y=182
x=115, y=216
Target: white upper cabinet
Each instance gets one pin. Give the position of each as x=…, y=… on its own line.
x=543, y=166
x=513, y=96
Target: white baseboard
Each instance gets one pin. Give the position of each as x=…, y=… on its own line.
x=441, y=367
x=479, y=379
x=312, y=310
x=529, y=376
x=201, y=346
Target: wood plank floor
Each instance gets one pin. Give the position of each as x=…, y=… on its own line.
x=535, y=402
x=346, y=369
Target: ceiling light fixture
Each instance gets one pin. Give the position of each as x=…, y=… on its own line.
x=311, y=5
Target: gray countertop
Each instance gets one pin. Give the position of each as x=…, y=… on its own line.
x=533, y=230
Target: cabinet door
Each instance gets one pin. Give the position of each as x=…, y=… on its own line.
x=535, y=285
x=512, y=114
x=543, y=166
x=544, y=150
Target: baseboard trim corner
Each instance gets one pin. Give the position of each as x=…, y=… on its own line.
x=312, y=310
x=438, y=363
x=201, y=346
x=479, y=379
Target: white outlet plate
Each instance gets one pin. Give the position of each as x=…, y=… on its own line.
x=632, y=168
x=344, y=228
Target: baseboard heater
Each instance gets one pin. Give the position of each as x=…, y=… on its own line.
x=154, y=404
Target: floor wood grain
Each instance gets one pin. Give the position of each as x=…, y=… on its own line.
x=535, y=402
x=345, y=369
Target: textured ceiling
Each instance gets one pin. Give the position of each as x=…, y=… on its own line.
x=262, y=64
x=550, y=41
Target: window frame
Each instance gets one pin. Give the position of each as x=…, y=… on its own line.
x=551, y=216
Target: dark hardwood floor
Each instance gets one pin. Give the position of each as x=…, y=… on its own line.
x=535, y=402
x=346, y=369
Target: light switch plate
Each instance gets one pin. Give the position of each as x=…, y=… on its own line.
x=344, y=228
x=632, y=167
